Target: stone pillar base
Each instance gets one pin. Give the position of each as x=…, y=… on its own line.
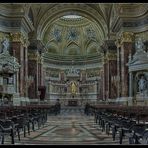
x=122, y=101
x=25, y=101
x=16, y=99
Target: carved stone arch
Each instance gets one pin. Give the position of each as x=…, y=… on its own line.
x=71, y=43
x=88, y=42
x=91, y=47
x=52, y=47
x=72, y=49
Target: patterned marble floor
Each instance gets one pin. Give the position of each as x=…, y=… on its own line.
x=70, y=127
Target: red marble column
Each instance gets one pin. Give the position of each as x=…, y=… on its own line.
x=125, y=50
x=101, y=92
x=112, y=81
x=18, y=51
x=33, y=71
x=118, y=79
x=105, y=81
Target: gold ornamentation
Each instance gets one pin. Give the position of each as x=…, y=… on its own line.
x=15, y=37
x=111, y=56
x=127, y=37
x=73, y=88
x=35, y=56
x=19, y=37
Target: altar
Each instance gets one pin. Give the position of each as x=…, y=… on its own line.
x=73, y=102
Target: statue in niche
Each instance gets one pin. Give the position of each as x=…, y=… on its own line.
x=142, y=84
x=73, y=88
x=139, y=45
x=5, y=44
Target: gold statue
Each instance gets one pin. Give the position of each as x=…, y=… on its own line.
x=73, y=88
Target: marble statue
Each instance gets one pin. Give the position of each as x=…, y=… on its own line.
x=139, y=45
x=73, y=88
x=5, y=44
x=142, y=84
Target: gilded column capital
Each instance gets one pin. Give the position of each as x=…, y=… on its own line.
x=127, y=37
x=118, y=42
x=19, y=37
x=15, y=37
x=33, y=56
x=111, y=56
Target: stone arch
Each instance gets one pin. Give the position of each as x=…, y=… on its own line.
x=52, y=47
x=30, y=15
x=72, y=49
x=91, y=47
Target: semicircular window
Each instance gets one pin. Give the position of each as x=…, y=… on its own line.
x=71, y=16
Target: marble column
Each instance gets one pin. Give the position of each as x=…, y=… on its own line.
x=130, y=84
x=127, y=39
x=19, y=50
x=105, y=78
x=118, y=79
x=110, y=68
x=113, y=75
x=33, y=71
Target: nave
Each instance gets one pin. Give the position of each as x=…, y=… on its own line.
x=70, y=127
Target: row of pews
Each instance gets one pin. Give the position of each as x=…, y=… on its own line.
x=14, y=119
x=127, y=121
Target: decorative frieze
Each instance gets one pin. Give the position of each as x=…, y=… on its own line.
x=19, y=37
x=111, y=56
x=127, y=37
x=34, y=56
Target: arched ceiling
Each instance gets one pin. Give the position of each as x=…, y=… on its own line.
x=89, y=31
x=102, y=19
x=45, y=14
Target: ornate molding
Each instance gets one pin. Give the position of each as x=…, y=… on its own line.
x=127, y=37
x=111, y=56
x=19, y=37
x=34, y=56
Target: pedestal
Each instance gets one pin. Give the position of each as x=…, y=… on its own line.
x=16, y=99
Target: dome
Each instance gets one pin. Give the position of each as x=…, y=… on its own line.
x=73, y=37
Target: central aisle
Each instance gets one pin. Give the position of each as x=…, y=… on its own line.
x=71, y=126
